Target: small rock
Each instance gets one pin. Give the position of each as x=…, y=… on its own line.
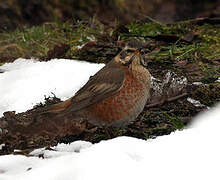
x=2, y=70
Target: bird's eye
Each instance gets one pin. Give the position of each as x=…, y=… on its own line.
x=142, y=51
x=123, y=54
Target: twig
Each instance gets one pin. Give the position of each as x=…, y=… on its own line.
x=151, y=19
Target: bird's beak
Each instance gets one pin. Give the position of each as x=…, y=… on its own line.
x=130, y=60
x=142, y=59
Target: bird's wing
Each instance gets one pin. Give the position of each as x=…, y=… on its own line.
x=103, y=84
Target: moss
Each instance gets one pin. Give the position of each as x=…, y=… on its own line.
x=38, y=40
x=176, y=121
x=208, y=94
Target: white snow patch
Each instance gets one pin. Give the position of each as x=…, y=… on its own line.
x=197, y=83
x=195, y=102
x=171, y=83
x=17, y=150
x=80, y=46
x=26, y=82
x=91, y=38
x=61, y=149
x=1, y=146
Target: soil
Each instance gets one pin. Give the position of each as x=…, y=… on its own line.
x=152, y=122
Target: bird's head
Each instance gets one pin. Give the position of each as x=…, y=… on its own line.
x=131, y=56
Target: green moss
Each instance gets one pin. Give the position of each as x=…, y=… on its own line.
x=176, y=121
x=208, y=94
x=210, y=74
x=38, y=40
x=208, y=39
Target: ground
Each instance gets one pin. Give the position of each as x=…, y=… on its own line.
x=190, y=49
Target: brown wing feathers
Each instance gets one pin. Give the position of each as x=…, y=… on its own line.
x=103, y=84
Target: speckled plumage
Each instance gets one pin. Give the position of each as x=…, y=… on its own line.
x=114, y=96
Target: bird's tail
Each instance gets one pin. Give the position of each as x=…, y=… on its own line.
x=57, y=108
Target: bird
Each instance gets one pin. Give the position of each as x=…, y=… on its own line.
x=114, y=96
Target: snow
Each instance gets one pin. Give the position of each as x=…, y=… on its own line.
x=195, y=102
x=76, y=147
x=26, y=82
x=192, y=153
x=1, y=146
x=197, y=83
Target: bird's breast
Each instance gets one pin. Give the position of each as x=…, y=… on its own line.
x=122, y=107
